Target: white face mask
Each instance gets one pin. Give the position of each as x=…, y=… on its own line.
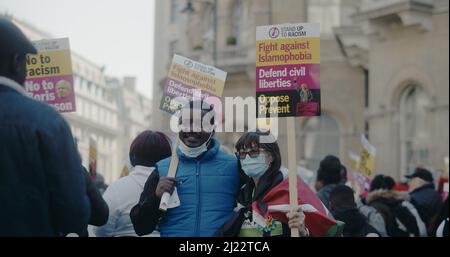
x=255, y=167
x=194, y=152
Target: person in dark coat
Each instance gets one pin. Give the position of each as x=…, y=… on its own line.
x=440, y=228
x=400, y=216
x=424, y=196
x=99, y=207
x=343, y=208
x=329, y=175
x=42, y=186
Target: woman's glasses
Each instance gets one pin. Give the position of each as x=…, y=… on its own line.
x=253, y=153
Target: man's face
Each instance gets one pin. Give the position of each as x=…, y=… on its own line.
x=192, y=132
x=318, y=185
x=415, y=183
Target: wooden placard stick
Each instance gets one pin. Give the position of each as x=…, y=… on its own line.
x=292, y=165
x=171, y=173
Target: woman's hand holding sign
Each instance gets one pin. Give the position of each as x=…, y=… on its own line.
x=297, y=220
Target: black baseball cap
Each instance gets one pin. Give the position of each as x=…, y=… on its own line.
x=13, y=41
x=421, y=173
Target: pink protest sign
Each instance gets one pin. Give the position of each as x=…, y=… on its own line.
x=50, y=76
x=288, y=69
x=187, y=76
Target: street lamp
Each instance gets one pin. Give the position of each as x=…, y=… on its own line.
x=190, y=9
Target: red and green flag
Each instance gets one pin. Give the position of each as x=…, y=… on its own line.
x=275, y=205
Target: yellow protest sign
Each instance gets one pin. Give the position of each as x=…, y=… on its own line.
x=367, y=157
x=92, y=157
x=187, y=76
x=354, y=161
x=50, y=76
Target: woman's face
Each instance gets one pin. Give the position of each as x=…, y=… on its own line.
x=304, y=86
x=254, y=151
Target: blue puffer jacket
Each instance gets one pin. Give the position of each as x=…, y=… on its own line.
x=207, y=194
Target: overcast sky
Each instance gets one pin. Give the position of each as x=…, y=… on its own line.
x=114, y=33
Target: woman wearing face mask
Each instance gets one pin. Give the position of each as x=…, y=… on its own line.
x=263, y=207
x=260, y=172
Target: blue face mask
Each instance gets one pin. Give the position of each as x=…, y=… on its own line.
x=194, y=152
x=255, y=167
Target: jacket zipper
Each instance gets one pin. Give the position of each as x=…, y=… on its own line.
x=197, y=227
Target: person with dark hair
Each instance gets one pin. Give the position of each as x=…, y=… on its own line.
x=42, y=186
x=401, y=218
x=99, y=208
x=343, y=208
x=260, y=165
x=146, y=150
x=424, y=196
x=343, y=174
x=329, y=175
x=206, y=182
x=263, y=202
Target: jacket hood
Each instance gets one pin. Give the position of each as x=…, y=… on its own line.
x=140, y=174
x=427, y=186
x=389, y=195
x=13, y=85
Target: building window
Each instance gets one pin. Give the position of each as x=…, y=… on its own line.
x=101, y=116
x=107, y=118
x=79, y=105
x=174, y=10
x=92, y=89
x=414, y=136
x=96, y=108
x=321, y=138
x=114, y=121
x=76, y=81
x=84, y=84
x=92, y=114
x=325, y=12
x=366, y=88
x=86, y=109
x=366, y=100
x=234, y=39
x=81, y=83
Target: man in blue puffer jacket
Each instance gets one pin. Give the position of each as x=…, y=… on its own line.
x=206, y=180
